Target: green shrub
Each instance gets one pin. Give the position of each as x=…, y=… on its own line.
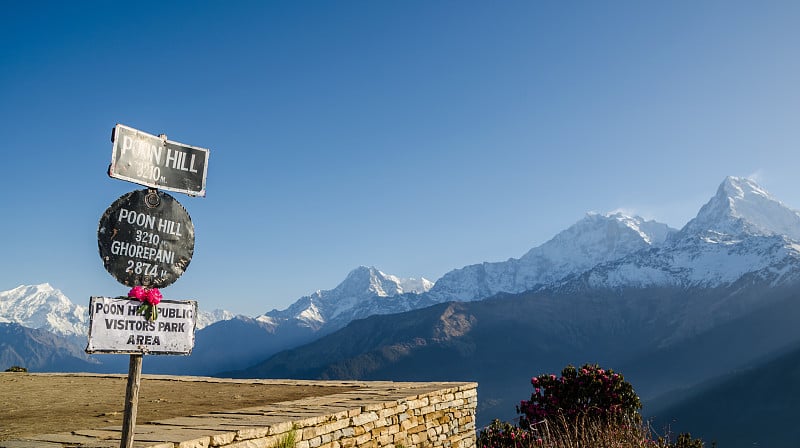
x=288, y=440
x=16, y=369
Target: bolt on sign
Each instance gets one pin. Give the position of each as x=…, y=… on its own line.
x=146, y=238
x=115, y=326
x=157, y=162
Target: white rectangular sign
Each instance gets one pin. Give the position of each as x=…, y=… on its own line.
x=115, y=327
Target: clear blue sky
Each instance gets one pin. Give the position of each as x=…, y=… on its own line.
x=414, y=136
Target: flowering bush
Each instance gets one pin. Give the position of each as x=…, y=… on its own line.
x=588, y=391
x=505, y=435
x=586, y=407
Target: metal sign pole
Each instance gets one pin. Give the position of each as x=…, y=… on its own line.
x=131, y=401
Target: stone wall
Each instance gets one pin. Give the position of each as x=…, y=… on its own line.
x=375, y=414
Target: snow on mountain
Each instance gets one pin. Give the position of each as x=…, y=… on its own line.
x=364, y=292
x=741, y=231
x=592, y=240
x=206, y=318
x=742, y=207
x=43, y=307
x=412, y=285
x=702, y=263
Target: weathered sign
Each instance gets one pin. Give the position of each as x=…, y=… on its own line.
x=146, y=238
x=158, y=163
x=116, y=327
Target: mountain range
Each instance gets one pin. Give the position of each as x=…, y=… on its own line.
x=673, y=309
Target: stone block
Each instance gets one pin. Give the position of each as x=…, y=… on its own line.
x=263, y=442
x=374, y=406
x=280, y=428
x=414, y=404
x=224, y=438
x=251, y=433
x=364, y=418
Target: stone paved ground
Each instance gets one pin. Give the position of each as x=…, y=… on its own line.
x=47, y=403
x=316, y=414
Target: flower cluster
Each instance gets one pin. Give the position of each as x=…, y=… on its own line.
x=150, y=298
x=589, y=390
x=505, y=435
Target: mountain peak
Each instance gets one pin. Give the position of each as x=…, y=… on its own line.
x=742, y=207
x=600, y=237
x=595, y=239
x=355, y=295
x=740, y=187
x=24, y=290
x=650, y=231
x=43, y=307
x=370, y=279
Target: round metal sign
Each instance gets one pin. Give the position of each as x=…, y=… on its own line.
x=146, y=238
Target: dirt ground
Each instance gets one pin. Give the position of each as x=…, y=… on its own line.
x=39, y=404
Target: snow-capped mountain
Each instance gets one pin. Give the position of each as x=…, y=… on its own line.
x=43, y=307
x=364, y=292
x=742, y=237
x=594, y=239
x=742, y=207
x=718, y=296
x=742, y=231
x=206, y=318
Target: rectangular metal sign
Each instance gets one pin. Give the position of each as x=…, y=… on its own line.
x=158, y=163
x=115, y=327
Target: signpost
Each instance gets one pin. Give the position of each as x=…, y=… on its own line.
x=157, y=162
x=146, y=238
x=146, y=241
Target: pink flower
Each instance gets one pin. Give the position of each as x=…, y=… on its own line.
x=153, y=296
x=534, y=380
x=137, y=293
x=552, y=377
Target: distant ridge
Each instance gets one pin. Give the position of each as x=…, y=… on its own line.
x=594, y=239
x=680, y=309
